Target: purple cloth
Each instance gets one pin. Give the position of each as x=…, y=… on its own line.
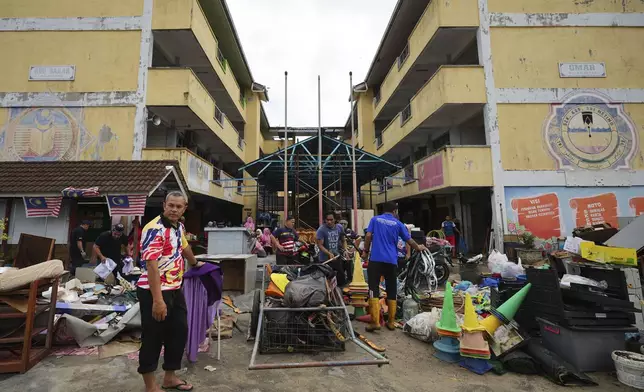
x=200, y=287
x=212, y=279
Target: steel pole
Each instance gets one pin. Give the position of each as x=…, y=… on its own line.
x=353, y=160
x=285, y=146
x=320, y=202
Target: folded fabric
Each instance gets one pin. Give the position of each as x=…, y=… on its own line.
x=212, y=279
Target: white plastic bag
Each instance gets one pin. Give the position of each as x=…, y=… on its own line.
x=104, y=269
x=496, y=262
x=511, y=270
x=128, y=265
x=422, y=325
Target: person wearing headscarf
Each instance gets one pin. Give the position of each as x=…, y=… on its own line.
x=250, y=225
x=265, y=240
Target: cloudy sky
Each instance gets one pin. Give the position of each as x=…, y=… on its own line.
x=309, y=38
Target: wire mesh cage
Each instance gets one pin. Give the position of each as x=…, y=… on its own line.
x=307, y=331
x=302, y=331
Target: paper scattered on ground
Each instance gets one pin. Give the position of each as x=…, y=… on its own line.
x=115, y=349
x=210, y=368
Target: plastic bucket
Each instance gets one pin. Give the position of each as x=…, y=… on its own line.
x=630, y=368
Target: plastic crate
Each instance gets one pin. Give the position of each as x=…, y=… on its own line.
x=587, y=349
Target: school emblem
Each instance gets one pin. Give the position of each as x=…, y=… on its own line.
x=587, y=131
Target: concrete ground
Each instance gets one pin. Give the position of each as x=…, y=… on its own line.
x=412, y=368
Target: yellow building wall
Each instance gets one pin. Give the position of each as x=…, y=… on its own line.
x=528, y=57
x=69, y=8
x=104, y=60
x=39, y=134
x=565, y=6
x=523, y=145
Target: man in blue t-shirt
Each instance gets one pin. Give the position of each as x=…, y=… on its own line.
x=330, y=239
x=381, y=247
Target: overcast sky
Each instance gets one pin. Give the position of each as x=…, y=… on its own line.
x=307, y=38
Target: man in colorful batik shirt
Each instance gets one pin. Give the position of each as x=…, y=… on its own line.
x=164, y=315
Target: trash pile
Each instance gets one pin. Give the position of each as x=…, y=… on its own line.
x=575, y=310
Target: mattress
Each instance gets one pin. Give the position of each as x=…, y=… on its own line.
x=11, y=280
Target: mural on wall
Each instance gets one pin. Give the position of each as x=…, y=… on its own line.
x=586, y=131
x=430, y=173
x=552, y=212
x=51, y=134
x=199, y=174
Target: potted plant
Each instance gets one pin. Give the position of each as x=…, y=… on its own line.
x=527, y=253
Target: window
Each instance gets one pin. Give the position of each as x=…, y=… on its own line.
x=420, y=153
x=404, y=55
x=240, y=142
x=441, y=141
x=219, y=116
x=242, y=100
x=378, y=141
x=405, y=114
x=409, y=173
x=376, y=96
x=240, y=185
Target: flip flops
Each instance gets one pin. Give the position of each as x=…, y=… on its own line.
x=178, y=387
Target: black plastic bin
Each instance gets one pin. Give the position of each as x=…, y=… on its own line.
x=588, y=349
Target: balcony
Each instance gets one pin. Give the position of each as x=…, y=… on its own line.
x=176, y=95
x=449, y=169
x=452, y=96
x=199, y=173
x=184, y=37
x=445, y=31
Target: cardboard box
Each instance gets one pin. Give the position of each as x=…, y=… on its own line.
x=605, y=254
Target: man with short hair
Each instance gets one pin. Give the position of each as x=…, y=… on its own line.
x=283, y=240
x=110, y=244
x=77, y=246
x=381, y=248
x=164, y=315
x=330, y=240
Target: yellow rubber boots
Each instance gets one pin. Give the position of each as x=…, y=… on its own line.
x=374, y=312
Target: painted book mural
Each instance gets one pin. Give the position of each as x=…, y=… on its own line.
x=552, y=212
x=65, y=133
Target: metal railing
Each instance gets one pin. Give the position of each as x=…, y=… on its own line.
x=219, y=116
x=378, y=141
x=405, y=114
x=222, y=60
x=404, y=55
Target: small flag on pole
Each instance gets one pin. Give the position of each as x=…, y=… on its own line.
x=40, y=207
x=126, y=205
x=84, y=192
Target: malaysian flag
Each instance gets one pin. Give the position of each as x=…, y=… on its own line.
x=82, y=192
x=126, y=205
x=40, y=207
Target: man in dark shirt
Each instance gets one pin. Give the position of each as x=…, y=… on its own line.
x=77, y=246
x=108, y=246
x=283, y=240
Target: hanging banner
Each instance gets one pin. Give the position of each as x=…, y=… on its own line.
x=430, y=173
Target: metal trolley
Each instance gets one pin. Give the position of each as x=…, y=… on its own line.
x=281, y=330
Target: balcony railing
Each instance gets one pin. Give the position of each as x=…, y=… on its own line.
x=404, y=55
x=219, y=116
x=409, y=174
x=405, y=114
x=378, y=141
x=376, y=97
x=222, y=60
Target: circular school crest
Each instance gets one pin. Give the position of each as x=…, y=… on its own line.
x=588, y=132
x=42, y=134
